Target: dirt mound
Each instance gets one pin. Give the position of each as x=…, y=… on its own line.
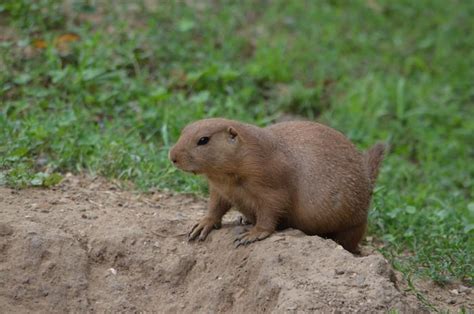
x=88, y=246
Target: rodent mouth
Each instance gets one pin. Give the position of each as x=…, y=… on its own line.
x=193, y=171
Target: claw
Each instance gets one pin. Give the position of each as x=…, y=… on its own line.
x=205, y=231
x=202, y=229
x=240, y=236
x=191, y=232
x=249, y=237
x=244, y=242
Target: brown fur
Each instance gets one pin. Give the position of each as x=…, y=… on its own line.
x=302, y=175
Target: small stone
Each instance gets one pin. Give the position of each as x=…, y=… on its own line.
x=454, y=291
x=339, y=271
x=240, y=293
x=84, y=216
x=113, y=271
x=452, y=301
x=360, y=280
x=292, y=307
x=464, y=289
x=5, y=230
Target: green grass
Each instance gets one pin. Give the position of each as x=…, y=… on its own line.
x=115, y=100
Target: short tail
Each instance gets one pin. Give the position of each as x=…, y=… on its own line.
x=374, y=157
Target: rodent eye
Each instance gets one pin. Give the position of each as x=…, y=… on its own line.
x=203, y=140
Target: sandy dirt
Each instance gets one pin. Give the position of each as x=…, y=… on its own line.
x=87, y=245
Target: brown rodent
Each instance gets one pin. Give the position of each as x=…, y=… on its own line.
x=298, y=174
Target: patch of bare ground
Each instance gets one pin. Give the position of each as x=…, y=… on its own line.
x=87, y=245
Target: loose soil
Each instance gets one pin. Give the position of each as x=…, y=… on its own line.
x=88, y=245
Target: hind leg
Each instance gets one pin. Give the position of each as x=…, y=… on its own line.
x=350, y=238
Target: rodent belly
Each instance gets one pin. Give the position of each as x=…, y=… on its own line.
x=309, y=229
x=316, y=220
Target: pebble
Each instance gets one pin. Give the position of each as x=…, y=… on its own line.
x=464, y=289
x=5, y=230
x=292, y=306
x=360, y=280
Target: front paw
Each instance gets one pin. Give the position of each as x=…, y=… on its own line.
x=253, y=235
x=203, y=228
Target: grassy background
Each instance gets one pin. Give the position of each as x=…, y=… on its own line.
x=112, y=97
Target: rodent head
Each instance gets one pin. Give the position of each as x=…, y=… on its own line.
x=207, y=146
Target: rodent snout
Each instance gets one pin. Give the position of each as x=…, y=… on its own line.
x=173, y=156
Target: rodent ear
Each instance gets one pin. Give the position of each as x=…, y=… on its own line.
x=232, y=132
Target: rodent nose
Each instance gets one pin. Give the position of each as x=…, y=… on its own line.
x=173, y=157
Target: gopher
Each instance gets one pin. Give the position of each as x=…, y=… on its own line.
x=296, y=174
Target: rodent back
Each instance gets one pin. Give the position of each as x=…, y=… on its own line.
x=326, y=166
